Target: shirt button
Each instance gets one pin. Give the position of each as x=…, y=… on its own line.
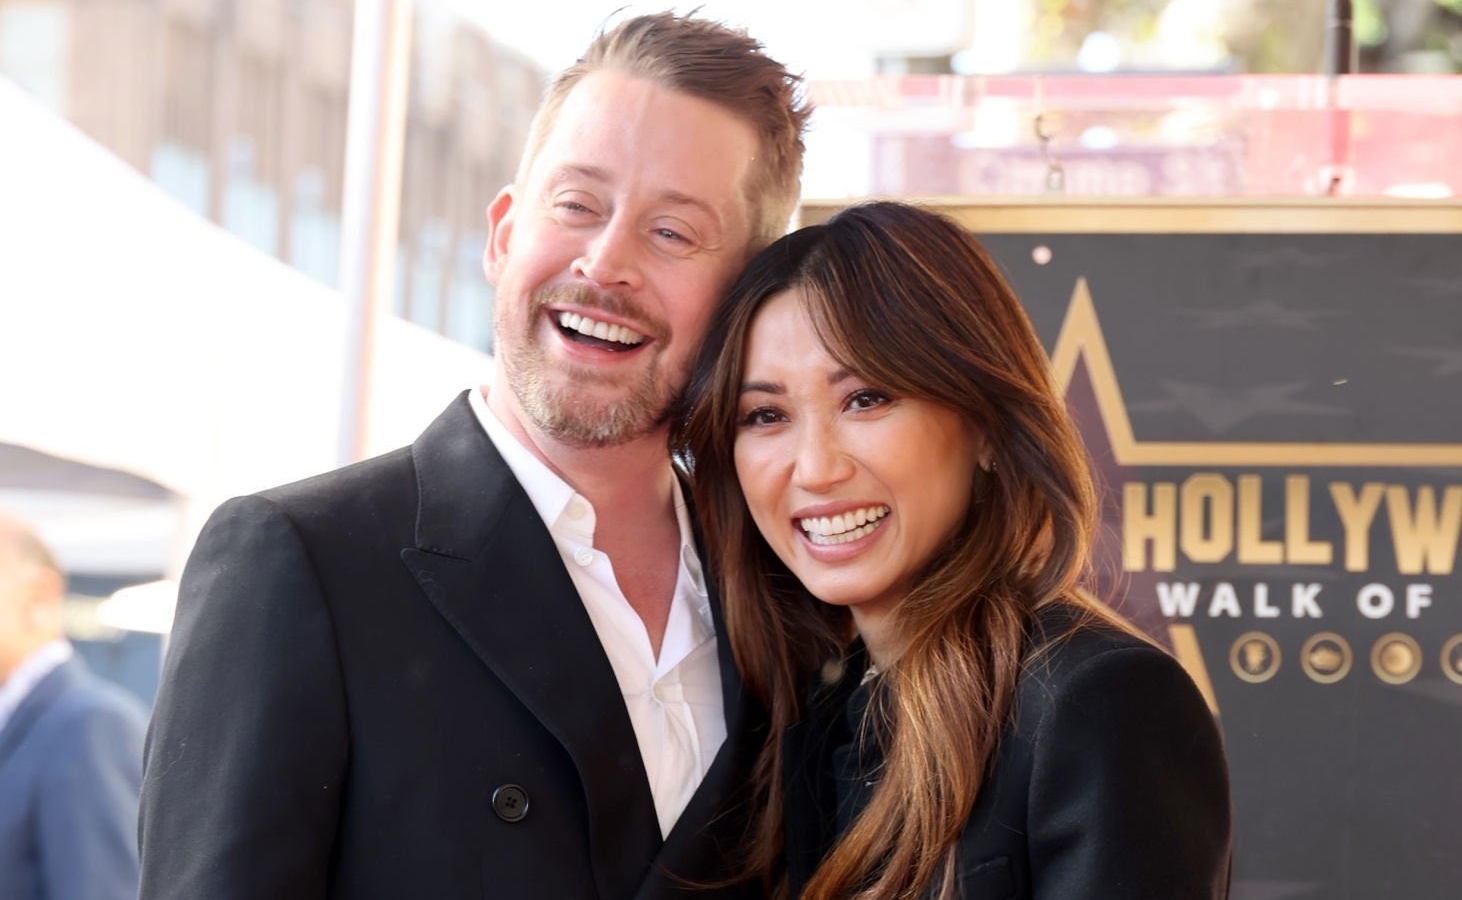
x=578, y=509
x=583, y=556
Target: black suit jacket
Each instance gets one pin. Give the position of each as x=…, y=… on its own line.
x=362, y=661
x=1109, y=782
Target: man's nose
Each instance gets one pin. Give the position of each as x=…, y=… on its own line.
x=611, y=257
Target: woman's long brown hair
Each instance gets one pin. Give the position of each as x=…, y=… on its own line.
x=915, y=306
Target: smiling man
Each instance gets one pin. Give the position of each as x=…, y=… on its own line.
x=488, y=665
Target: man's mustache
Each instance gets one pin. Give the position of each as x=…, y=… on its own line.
x=584, y=297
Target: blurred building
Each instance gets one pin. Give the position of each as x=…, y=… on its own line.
x=238, y=109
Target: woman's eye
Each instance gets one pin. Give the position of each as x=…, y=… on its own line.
x=762, y=415
x=866, y=399
x=672, y=235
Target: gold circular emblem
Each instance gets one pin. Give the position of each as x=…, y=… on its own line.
x=1452, y=658
x=1254, y=657
x=1396, y=658
x=1326, y=657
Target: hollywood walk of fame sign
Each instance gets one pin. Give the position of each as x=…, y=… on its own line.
x=1271, y=394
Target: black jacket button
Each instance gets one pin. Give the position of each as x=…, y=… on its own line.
x=510, y=802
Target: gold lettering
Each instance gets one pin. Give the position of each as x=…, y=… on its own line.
x=1356, y=512
x=1425, y=539
x=1300, y=550
x=1160, y=527
x=1253, y=549
x=1206, y=529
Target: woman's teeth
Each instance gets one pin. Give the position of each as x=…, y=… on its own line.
x=604, y=331
x=841, y=529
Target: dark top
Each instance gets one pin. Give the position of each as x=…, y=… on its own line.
x=1109, y=781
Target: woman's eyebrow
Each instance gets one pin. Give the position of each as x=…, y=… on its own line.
x=762, y=387
x=771, y=387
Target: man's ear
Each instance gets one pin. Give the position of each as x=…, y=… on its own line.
x=499, y=229
x=44, y=598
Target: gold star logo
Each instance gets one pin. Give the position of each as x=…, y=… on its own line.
x=1080, y=343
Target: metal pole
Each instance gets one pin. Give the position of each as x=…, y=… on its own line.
x=1340, y=49
x=1340, y=59
x=380, y=68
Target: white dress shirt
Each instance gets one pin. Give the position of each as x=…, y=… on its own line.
x=32, y=671
x=674, y=702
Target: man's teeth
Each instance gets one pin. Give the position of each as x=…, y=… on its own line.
x=604, y=331
x=841, y=529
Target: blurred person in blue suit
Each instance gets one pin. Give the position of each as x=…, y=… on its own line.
x=70, y=745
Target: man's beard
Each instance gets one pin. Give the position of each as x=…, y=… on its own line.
x=567, y=413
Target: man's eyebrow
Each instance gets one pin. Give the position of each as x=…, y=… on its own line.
x=601, y=175
x=677, y=198
x=584, y=170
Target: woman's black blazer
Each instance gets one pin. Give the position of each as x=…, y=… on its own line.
x=1109, y=782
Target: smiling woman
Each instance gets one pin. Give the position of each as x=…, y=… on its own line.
x=900, y=514
x=853, y=489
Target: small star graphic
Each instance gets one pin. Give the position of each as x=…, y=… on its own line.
x=1442, y=286
x=1259, y=314
x=1448, y=359
x=1280, y=257
x=1220, y=409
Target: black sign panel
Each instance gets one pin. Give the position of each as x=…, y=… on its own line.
x=1277, y=422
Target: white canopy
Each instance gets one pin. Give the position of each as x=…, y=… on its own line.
x=138, y=336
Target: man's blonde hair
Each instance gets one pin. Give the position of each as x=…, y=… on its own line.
x=714, y=62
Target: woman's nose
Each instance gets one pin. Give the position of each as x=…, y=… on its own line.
x=822, y=463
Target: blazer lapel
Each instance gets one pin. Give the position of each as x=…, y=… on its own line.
x=810, y=806
x=803, y=816
x=708, y=842
x=34, y=705
x=488, y=564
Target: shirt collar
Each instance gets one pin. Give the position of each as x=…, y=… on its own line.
x=32, y=671
x=551, y=495
x=690, y=558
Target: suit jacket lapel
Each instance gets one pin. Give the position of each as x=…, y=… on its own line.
x=708, y=840
x=810, y=805
x=34, y=705
x=488, y=563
